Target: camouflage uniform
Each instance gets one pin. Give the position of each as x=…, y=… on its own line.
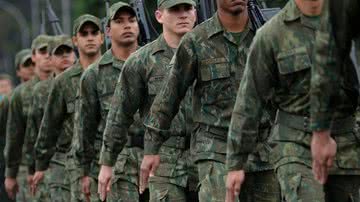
x=20, y=103
x=4, y=108
x=278, y=71
x=97, y=87
x=56, y=131
x=140, y=81
x=331, y=52
x=212, y=60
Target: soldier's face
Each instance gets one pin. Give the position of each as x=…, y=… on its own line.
x=25, y=71
x=310, y=7
x=89, y=39
x=42, y=60
x=124, y=29
x=63, y=58
x=234, y=7
x=5, y=87
x=178, y=19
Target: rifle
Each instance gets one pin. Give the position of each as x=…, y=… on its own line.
x=53, y=19
x=258, y=17
x=206, y=9
x=42, y=24
x=147, y=30
x=104, y=24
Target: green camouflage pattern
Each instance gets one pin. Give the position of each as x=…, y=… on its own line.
x=97, y=87
x=24, y=194
x=141, y=79
x=81, y=20
x=276, y=67
x=56, y=130
x=161, y=190
x=60, y=40
x=215, y=60
x=329, y=72
x=166, y=4
x=117, y=6
x=22, y=56
x=36, y=111
x=41, y=41
x=20, y=103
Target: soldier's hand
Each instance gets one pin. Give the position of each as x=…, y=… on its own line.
x=29, y=179
x=323, y=150
x=104, y=181
x=148, y=167
x=234, y=181
x=11, y=187
x=38, y=177
x=85, y=187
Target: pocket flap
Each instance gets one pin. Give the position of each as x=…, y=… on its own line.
x=293, y=60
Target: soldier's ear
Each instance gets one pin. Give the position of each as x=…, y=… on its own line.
x=159, y=16
x=75, y=41
x=102, y=38
x=107, y=31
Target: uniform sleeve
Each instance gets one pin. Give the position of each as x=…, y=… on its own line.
x=15, y=132
x=4, y=108
x=50, y=127
x=87, y=117
x=255, y=92
x=167, y=102
x=324, y=76
x=127, y=99
x=32, y=129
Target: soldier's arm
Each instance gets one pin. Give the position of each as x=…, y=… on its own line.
x=31, y=134
x=128, y=96
x=255, y=91
x=87, y=117
x=15, y=131
x=50, y=127
x=167, y=102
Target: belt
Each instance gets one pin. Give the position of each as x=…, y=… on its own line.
x=302, y=123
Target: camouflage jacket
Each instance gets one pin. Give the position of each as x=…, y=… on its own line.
x=141, y=79
x=4, y=108
x=212, y=60
x=56, y=130
x=97, y=86
x=20, y=103
x=332, y=52
x=36, y=111
x=278, y=71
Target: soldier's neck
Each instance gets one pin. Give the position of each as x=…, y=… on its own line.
x=172, y=39
x=86, y=60
x=43, y=75
x=123, y=52
x=233, y=23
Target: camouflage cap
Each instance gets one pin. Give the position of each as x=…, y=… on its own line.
x=61, y=40
x=170, y=3
x=22, y=56
x=80, y=21
x=41, y=41
x=116, y=7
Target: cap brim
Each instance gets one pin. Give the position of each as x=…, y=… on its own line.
x=124, y=7
x=167, y=5
x=89, y=21
x=24, y=59
x=57, y=47
x=40, y=46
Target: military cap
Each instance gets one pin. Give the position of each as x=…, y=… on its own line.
x=61, y=40
x=41, y=41
x=80, y=21
x=22, y=56
x=170, y=3
x=116, y=7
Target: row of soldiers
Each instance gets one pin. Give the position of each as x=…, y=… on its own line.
x=217, y=112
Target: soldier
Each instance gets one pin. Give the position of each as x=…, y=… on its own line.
x=333, y=46
x=141, y=79
x=24, y=65
x=278, y=71
x=4, y=107
x=20, y=102
x=97, y=87
x=56, y=130
x=212, y=58
x=63, y=57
